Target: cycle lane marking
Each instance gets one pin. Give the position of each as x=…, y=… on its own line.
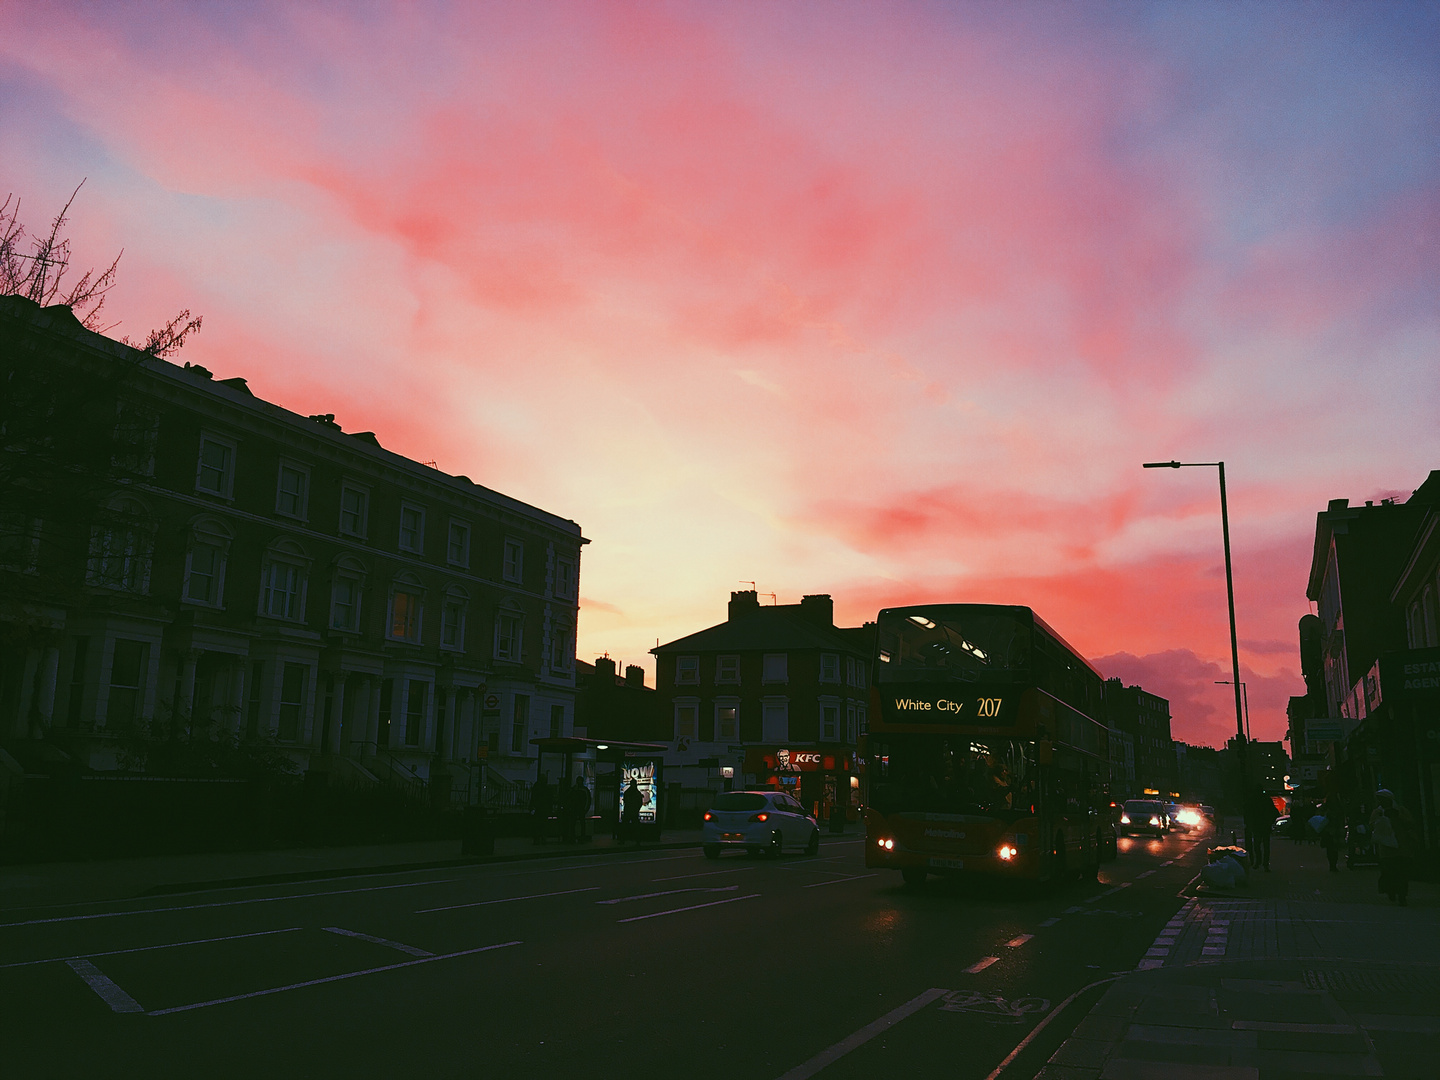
x=980, y=965
x=670, y=892
x=145, y=948
x=506, y=900
x=692, y=907
x=396, y=945
x=837, y=881
x=831, y=1054
x=1016, y=942
x=118, y=1000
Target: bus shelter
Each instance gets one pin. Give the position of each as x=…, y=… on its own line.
x=605, y=767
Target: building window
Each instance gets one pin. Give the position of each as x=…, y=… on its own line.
x=509, y=630
x=128, y=664
x=562, y=648
x=687, y=721
x=415, y=697
x=292, y=490
x=76, y=701
x=519, y=723
x=457, y=547
x=406, y=602
x=354, y=510
x=557, y=721
x=687, y=670
x=727, y=669
x=120, y=550
x=829, y=667
x=282, y=582
x=136, y=431
x=514, y=564
x=859, y=678
x=775, y=721
x=452, y=619
x=19, y=541
x=292, y=701
x=727, y=723
x=345, y=603
x=205, y=562
x=852, y=714
x=830, y=723
x=565, y=579
x=776, y=669
x=215, y=469
x=412, y=528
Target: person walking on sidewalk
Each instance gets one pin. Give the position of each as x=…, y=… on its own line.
x=1392, y=826
x=630, y=818
x=1260, y=818
x=1333, y=831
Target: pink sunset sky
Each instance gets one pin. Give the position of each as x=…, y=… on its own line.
x=884, y=300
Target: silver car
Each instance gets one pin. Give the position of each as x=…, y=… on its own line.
x=761, y=822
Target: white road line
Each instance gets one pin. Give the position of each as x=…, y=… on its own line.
x=837, y=881
x=706, y=873
x=810, y=870
x=1168, y=862
x=1147, y=873
x=668, y=892
x=410, y=949
x=692, y=907
x=146, y=948
x=1073, y=910
x=832, y=1054
x=1050, y=922
x=1100, y=896
x=980, y=965
x=222, y=903
x=331, y=978
x=507, y=900
x=118, y=1000
x=1016, y=942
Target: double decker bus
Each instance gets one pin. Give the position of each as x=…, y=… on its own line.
x=983, y=754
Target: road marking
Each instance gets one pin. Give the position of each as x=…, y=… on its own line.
x=507, y=900
x=1042, y=1025
x=668, y=892
x=811, y=870
x=1050, y=922
x=331, y=978
x=411, y=949
x=1016, y=942
x=706, y=873
x=1146, y=874
x=692, y=907
x=1299, y=1029
x=1072, y=910
x=834, y=1053
x=118, y=1000
x=837, y=881
x=1168, y=862
x=146, y=948
x=1098, y=897
x=980, y=965
x=222, y=903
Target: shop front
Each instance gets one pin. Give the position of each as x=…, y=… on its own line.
x=823, y=781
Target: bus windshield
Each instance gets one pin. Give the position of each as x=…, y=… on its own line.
x=953, y=643
x=952, y=775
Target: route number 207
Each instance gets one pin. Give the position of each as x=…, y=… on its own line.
x=989, y=706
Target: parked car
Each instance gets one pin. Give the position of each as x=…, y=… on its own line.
x=1144, y=816
x=760, y=822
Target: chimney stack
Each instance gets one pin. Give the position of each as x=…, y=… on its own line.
x=634, y=675
x=743, y=603
x=819, y=608
x=604, y=669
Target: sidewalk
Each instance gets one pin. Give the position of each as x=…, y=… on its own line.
x=1305, y=973
x=45, y=884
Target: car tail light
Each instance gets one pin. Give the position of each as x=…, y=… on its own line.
x=709, y=816
x=762, y=816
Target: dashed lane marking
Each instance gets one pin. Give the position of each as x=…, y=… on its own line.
x=705, y=873
x=507, y=900
x=147, y=948
x=668, y=892
x=1016, y=942
x=1146, y=874
x=980, y=965
x=330, y=979
x=837, y=881
x=831, y=1054
x=396, y=945
x=1050, y=922
x=1073, y=910
x=118, y=1000
x=692, y=907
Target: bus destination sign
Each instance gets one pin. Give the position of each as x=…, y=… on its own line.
x=951, y=705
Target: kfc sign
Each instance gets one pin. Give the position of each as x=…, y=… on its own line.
x=787, y=762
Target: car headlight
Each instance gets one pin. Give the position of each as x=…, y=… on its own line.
x=1124, y=819
x=1007, y=852
x=1154, y=821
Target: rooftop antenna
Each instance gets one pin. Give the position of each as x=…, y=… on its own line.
x=771, y=595
x=750, y=583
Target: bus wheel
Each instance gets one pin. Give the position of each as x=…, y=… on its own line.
x=914, y=876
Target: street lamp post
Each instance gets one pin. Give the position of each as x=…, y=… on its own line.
x=1241, y=738
x=1245, y=694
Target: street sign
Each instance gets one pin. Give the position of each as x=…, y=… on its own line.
x=492, y=701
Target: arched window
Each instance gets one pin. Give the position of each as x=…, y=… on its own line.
x=347, y=583
x=206, y=551
x=562, y=646
x=283, y=580
x=510, y=633
x=452, y=618
x=407, y=602
x=121, y=545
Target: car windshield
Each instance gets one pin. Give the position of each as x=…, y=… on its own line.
x=738, y=800
x=952, y=644
x=1142, y=808
x=962, y=775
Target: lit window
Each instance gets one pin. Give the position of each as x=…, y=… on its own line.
x=354, y=510
x=290, y=491
x=215, y=470
x=727, y=723
x=405, y=615
x=514, y=566
x=687, y=670
x=412, y=528
x=457, y=550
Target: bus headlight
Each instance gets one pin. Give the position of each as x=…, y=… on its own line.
x=1007, y=852
x=885, y=843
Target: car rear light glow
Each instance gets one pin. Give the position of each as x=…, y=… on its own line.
x=762, y=816
x=1007, y=852
x=709, y=816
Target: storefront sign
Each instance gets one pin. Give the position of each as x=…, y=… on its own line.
x=1412, y=673
x=783, y=761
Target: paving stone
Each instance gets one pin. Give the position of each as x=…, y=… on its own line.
x=1066, y=1072
x=1320, y=1064
x=1321, y=1043
x=1130, y=1069
x=1089, y=1053
x=1180, y=1053
x=1191, y=1036
x=1100, y=1027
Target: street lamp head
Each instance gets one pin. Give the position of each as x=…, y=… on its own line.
x=1162, y=465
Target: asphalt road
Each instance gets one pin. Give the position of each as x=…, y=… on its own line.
x=644, y=965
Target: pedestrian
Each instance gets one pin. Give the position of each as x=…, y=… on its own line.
x=540, y=808
x=580, y=807
x=1260, y=818
x=1332, y=832
x=1392, y=827
x=563, y=812
x=630, y=817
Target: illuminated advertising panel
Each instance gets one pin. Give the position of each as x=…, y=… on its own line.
x=643, y=773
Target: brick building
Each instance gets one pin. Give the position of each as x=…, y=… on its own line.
x=1145, y=717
